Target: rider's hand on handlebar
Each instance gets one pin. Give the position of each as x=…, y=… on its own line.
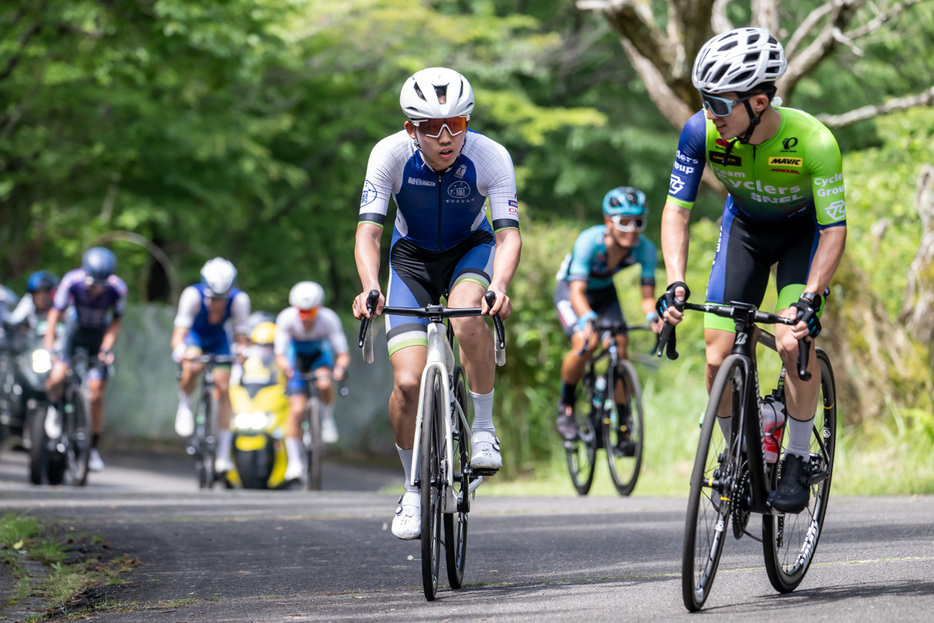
x=503, y=305
x=669, y=304
x=805, y=310
x=360, y=307
x=178, y=353
x=106, y=357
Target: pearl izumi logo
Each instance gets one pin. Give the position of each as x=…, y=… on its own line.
x=789, y=143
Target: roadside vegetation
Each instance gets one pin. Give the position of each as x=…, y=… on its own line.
x=55, y=565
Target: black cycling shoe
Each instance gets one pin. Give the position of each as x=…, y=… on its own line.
x=566, y=423
x=794, y=486
x=625, y=447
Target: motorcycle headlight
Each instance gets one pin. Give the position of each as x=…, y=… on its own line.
x=41, y=361
x=252, y=420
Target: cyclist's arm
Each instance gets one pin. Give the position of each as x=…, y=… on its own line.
x=178, y=337
x=366, y=255
x=48, y=340
x=578, y=295
x=505, y=263
x=111, y=335
x=240, y=317
x=827, y=258
x=674, y=236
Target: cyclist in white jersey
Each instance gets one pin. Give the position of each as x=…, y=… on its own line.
x=309, y=338
x=441, y=176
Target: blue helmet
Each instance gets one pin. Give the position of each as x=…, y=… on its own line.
x=41, y=280
x=99, y=263
x=626, y=201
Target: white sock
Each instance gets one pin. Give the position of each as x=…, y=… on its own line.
x=799, y=437
x=482, y=413
x=293, y=449
x=184, y=398
x=224, y=439
x=406, y=457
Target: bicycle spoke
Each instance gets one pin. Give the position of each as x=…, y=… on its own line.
x=790, y=540
x=623, y=436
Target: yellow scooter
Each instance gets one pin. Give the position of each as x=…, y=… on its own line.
x=260, y=412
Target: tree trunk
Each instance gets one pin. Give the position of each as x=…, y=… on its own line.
x=918, y=310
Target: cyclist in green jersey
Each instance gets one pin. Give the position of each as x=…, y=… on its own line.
x=785, y=208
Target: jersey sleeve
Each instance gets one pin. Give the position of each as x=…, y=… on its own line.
x=281, y=341
x=63, y=294
x=336, y=335
x=826, y=165
x=240, y=313
x=688, y=169
x=582, y=256
x=189, y=304
x=497, y=173
x=386, y=158
x=120, y=303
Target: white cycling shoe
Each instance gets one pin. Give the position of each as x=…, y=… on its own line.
x=53, y=423
x=184, y=421
x=293, y=471
x=95, y=462
x=486, y=454
x=407, y=524
x=223, y=465
x=329, y=432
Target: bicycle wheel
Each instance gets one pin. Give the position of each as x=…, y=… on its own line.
x=624, y=441
x=313, y=446
x=78, y=436
x=581, y=452
x=455, y=520
x=204, y=434
x=790, y=541
x=46, y=463
x=430, y=482
x=709, y=503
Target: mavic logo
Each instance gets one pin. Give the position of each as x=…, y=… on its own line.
x=785, y=162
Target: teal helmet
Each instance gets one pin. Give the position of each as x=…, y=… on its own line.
x=625, y=201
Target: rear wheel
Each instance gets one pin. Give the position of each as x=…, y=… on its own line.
x=790, y=540
x=430, y=483
x=624, y=436
x=709, y=505
x=314, y=447
x=40, y=449
x=455, y=523
x=77, y=425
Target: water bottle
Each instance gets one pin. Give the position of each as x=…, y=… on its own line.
x=773, y=419
x=599, y=392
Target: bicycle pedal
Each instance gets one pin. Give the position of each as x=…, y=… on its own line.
x=483, y=472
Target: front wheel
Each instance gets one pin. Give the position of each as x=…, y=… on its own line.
x=709, y=504
x=46, y=463
x=624, y=435
x=430, y=482
x=78, y=435
x=790, y=540
x=205, y=443
x=455, y=520
x=314, y=446
x=581, y=452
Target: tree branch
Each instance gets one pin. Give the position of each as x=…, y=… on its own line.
x=925, y=98
x=880, y=19
x=802, y=63
x=719, y=22
x=634, y=22
x=765, y=15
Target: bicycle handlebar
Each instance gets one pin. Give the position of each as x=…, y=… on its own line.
x=434, y=313
x=744, y=315
x=606, y=328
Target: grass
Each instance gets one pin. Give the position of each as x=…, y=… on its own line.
x=26, y=539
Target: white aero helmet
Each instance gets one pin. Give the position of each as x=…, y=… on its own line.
x=218, y=277
x=306, y=295
x=738, y=61
x=436, y=93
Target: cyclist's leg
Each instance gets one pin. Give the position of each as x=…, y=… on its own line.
x=574, y=364
x=298, y=400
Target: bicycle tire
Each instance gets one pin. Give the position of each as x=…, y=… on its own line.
x=430, y=484
x=709, y=505
x=314, y=447
x=204, y=453
x=78, y=432
x=581, y=452
x=40, y=453
x=455, y=522
x=624, y=469
x=790, y=541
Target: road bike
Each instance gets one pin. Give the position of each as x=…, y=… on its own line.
x=600, y=424
x=202, y=445
x=732, y=480
x=60, y=451
x=312, y=442
x=441, y=455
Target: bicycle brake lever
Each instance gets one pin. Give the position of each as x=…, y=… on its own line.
x=804, y=353
x=667, y=339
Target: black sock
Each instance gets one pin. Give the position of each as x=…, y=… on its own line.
x=568, y=394
x=94, y=439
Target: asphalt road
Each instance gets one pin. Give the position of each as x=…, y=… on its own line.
x=292, y=556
